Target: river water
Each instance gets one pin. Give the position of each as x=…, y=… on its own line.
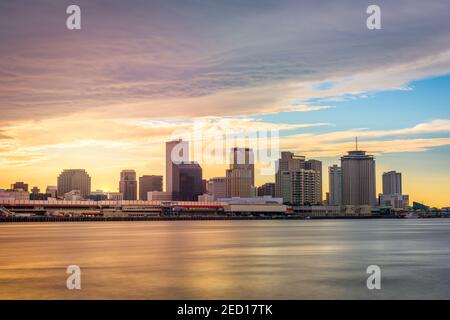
x=282, y=259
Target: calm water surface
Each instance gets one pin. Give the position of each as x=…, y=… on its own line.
x=313, y=259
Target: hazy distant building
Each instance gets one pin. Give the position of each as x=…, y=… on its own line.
x=37, y=195
x=128, y=184
x=358, y=179
x=159, y=196
x=217, y=187
x=149, y=183
x=52, y=191
x=267, y=189
x=74, y=179
x=98, y=195
x=177, y=151
x=19, y=186
x=335, y=185
x=392, y=182
x=241, y=174
x=14, y=195
x=114, y=196
x=189, y=176
x=288, y=162
x=73, y=195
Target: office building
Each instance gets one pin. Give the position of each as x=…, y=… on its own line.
x=241, y=174
x=358, y=179
x=287, y=162
x=52, y=191
x=217, y=187
x=74, y=179
x=149, y=183
x=316, y=166
x=335, y=185
x=189, y=180
x=301, y=187
x=177, y=151
x=159, y=196
x=267, y=189
x=392, y=182
x=19, y=186
x=128, y=184
x=392, y=191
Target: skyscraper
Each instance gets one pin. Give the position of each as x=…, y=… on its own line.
x=358, y=179
x=149, y=183
x=392, y=182
x=241, y=174
x=300, y=187
x=287, y=162
x=335, y=185
x=128, y=184
x=177, y=151
x=316, y=165
x=190, y=181
x=392, y=191
x=74, y=179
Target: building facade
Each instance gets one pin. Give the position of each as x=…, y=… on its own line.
x=74, y=179
x=190, y=178
x=392, y=182
x=177, y=151
x=217, y=187
x=241, y=174
x=335, y=185
x=267, y=189
x=288, y=162
x=128, y=184
x=358, y=179
x=149, y=183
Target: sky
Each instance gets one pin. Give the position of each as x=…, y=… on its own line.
x=107, y=97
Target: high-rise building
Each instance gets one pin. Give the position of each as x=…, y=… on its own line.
x=190, y=181
x=392, y=191
x=298, y=181
x=335, y=185
x=177, y=151
x=149, y=183
x=217, y=187
x=300, y=187
x=287, y=162
x=358, y=179
x=74, y=179
x=267, y=189
x=128, y=184
x=392, y=182
x=316, y=165
x=241, y=174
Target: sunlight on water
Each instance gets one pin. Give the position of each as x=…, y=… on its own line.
x=226, y=259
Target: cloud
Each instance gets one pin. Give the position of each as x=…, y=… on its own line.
x=335, y=144
x=202, y=58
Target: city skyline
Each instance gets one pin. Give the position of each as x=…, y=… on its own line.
x=108, y=96
x=356, y=175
